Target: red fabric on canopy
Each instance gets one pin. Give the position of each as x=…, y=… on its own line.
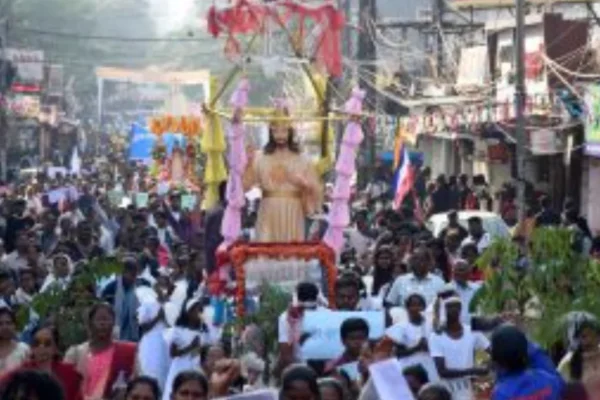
x=247, y=18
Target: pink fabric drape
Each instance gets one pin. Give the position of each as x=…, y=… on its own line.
x=339, y=214
x=232, y=219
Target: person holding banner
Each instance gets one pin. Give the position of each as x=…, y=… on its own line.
x=290, y=323
x=354, y=333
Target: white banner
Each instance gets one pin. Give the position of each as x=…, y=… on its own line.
x=543, y=141
x=29, y=64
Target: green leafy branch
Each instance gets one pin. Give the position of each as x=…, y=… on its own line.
x=557, y=280
x=67, y=308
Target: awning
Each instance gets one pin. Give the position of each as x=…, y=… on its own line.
x=196, y=77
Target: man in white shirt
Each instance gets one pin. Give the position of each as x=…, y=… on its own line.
x=289, y=327
x=357, y=236
x=420, y=280
x=465, y=289
x=20, y=258
x=164, y=231
x=347, y=295
x=453, y=350
x=477, y=235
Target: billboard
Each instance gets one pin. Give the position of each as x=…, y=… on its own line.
x=503, y=3
x=592, y=127
x=29, y=64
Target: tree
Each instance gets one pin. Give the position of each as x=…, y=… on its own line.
x=557, y=281
x=68, y=308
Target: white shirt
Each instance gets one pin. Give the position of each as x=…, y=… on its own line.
x=283, y=333
x=107, y=240
x=408, y=284
x=369, y=303
x=483, y=243
x=162, y=236
x=466, y=294
x=282, y=326
x=458, y=354
x=409, y=335
x=357, y=241
x=14, y=261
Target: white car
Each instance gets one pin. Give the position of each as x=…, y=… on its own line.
x=492, y=223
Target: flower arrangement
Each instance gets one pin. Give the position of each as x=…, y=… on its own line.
x=190, y=150
x=187, y=126
x=157, y=126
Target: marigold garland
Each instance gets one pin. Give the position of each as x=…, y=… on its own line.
x=242, y=252
x=188, y=126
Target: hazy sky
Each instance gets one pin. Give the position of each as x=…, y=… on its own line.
x=174, y=14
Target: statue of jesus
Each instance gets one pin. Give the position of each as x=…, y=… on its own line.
x=291, y=189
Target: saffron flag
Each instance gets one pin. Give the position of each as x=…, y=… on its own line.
x=405, y=173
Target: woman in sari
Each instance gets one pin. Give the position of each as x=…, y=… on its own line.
x=102, y=362
x=44, y=357
x=12, y=352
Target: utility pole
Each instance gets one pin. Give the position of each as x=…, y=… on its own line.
x=4, y=71
x=520, y=95
x=346, y=7
x=438, y=9
x=367, y=70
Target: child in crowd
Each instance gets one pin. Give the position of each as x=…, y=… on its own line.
x=354, y=332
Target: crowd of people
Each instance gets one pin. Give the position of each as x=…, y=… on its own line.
x=153, y=329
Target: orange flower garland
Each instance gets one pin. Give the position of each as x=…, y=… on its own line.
x=170, y=124
x=242, y=252
x=183, y=126
x=195, y=126
x=187, y=126
x=156, y=126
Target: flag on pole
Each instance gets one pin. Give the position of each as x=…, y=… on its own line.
x=405, y=173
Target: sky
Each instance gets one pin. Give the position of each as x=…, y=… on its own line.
x=171, y=15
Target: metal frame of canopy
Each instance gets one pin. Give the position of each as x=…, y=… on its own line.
x=259, y=13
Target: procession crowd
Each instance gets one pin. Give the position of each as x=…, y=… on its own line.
x=153, y=330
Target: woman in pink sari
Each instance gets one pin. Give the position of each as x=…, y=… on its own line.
x=103, y=363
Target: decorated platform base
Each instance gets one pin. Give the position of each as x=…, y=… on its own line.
x=279, y=264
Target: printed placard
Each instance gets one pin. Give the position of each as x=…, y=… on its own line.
x=324, y=342
x=141, y=200
x=389, y=381
x=115, y=197
x=188, y=201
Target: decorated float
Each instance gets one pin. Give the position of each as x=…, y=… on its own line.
x=176, y=170
x=279, y=254
x=169, y=141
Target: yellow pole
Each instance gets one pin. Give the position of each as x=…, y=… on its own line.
x=213, y=146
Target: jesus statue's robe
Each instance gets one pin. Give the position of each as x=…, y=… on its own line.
x=284, y=206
